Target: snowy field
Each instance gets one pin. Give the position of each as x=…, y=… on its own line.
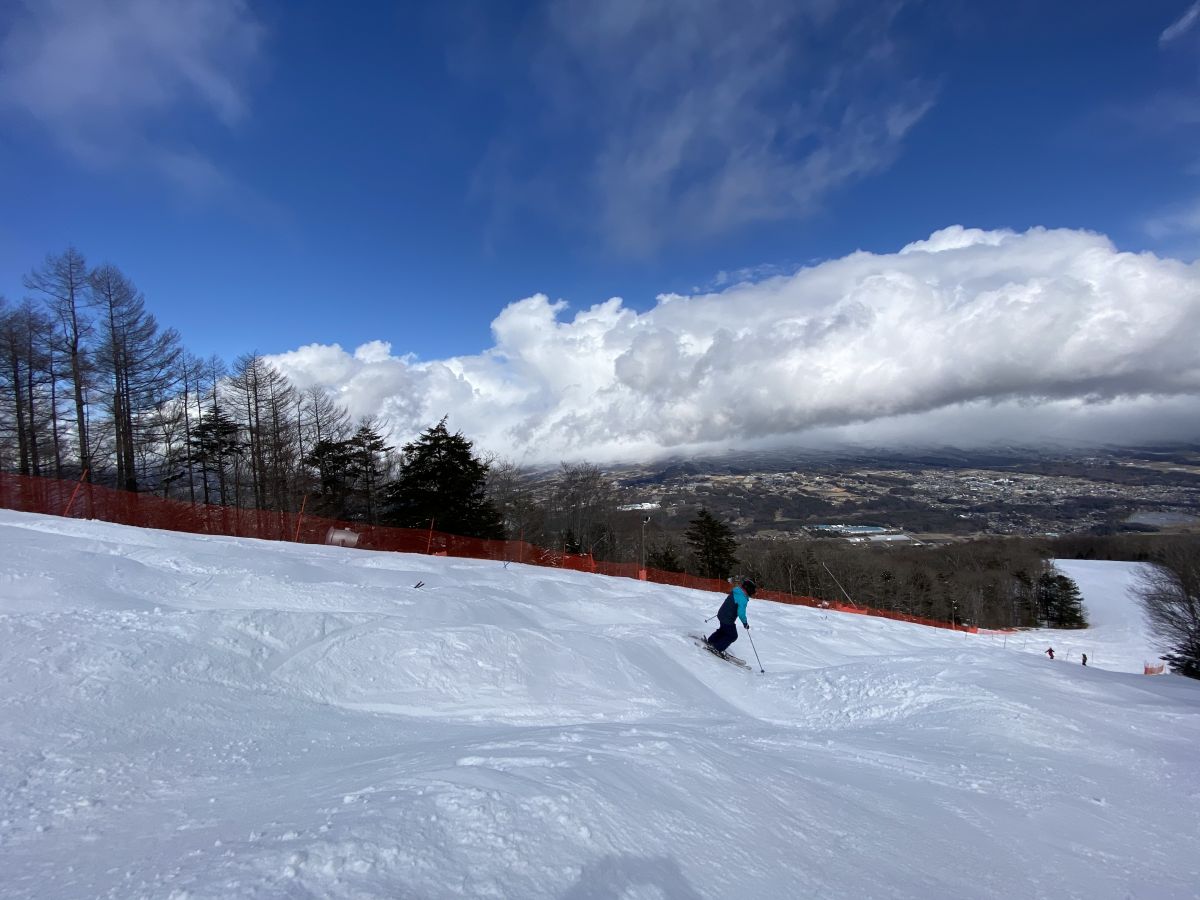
x=187, y=717
x=1117, y=639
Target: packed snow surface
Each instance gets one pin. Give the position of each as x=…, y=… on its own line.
x=191, y=717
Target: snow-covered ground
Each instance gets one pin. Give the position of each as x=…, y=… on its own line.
x=218, y=718
x=1117, y=639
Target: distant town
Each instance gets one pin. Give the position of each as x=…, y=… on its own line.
x=925, y=497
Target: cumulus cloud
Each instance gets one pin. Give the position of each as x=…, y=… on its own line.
x=97, y=74
x=967, y=336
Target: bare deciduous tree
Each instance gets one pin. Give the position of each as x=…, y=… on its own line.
x=1169, y=591
x=63, y=282
x=137, y=361
x=585, y=502
x=265, y=402
x=510, y=489
x=27, y=375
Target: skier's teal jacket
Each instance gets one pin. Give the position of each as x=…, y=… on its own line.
x=734, y=607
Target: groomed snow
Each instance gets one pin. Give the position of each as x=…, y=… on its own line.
x=188, y=717
x=1117, y=637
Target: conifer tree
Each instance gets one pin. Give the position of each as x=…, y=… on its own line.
x=366, y=464
x=442, y=482
x=713, y=546
x=332, y=460
x=1059, y=602
x=214, y=440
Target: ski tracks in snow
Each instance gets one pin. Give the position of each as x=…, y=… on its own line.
x=213, y=718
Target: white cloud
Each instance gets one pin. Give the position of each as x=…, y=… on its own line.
x=1043, y=334
x=1179, y=220
x=1182, y=25
x=956, y=238
x=682, y=120
x=96, y=74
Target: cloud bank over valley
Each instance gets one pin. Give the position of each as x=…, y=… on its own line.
x=968, y=337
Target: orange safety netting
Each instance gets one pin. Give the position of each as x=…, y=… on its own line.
x=88, y=501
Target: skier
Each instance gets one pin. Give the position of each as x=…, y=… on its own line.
x=1085, y=659
x=1050, y=652
x=731, y=610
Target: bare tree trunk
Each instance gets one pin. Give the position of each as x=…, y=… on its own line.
x=56, y=444
x=14, y=364
x=62, y=280
x=139, y=362
x=35, y=461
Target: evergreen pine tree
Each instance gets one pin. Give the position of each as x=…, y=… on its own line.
x=712, y=544
x=1069, y=613
x=332, y=460
x=215, y=439
x=442, y=481
x=1059, y=602
x=368, y=453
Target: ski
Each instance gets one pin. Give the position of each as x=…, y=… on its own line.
x=727, y=657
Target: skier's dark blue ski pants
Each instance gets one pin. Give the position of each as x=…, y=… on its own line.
x=723, y=636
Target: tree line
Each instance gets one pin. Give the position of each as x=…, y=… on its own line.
x=93, y=387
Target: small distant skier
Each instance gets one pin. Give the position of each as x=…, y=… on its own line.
x=1085, y=659
x=1050, y=652
x=731, y=610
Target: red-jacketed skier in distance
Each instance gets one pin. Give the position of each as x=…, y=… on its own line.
x=731, y=610
x=1050, y=652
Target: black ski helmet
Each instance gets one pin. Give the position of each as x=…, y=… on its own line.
x=749, y=587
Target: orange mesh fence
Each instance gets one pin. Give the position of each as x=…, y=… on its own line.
x=1154, y=670
x=88, y=501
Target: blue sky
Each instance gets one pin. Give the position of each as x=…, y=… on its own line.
x=276, y=174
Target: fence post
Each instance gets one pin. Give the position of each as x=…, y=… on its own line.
x=429, y=543
x=78, y=485
x=299, y=519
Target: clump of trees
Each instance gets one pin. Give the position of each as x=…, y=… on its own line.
x=91, y=385
x=86, y=373
x=442, y=483
x=991, y=583
x=1059, y=603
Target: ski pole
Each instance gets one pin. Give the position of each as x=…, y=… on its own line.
x=755, y=649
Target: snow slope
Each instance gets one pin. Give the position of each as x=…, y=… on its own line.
x=1118, y=637
x=188, y=717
